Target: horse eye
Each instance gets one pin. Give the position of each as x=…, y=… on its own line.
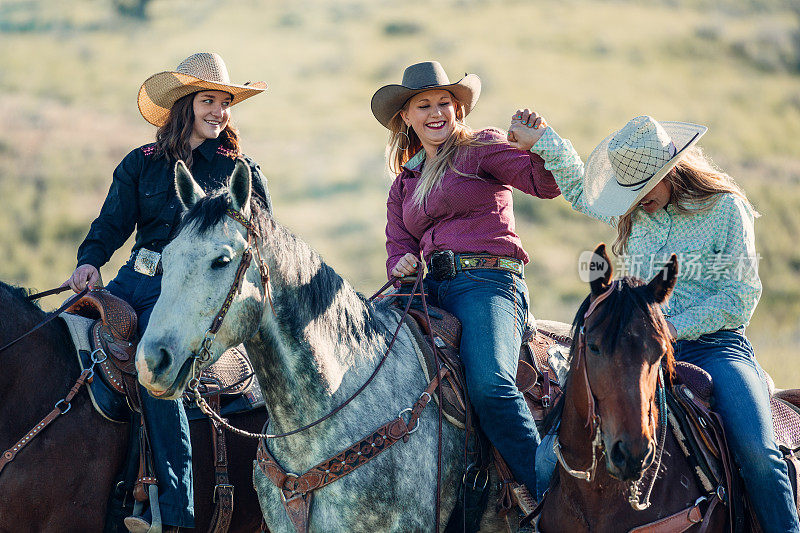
x=220, y=262
x=593, y=347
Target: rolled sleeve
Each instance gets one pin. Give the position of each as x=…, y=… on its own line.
x=520, y=169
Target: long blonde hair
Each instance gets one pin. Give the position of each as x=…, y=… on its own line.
x=696, y=184
x=404, y=143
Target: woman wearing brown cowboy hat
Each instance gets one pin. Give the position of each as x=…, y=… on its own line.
x=451, y=203
x=664, y=196
x=191, y=108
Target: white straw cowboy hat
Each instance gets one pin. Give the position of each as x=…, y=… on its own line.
x=626, y=166
x=422, y=77
x=195, y=73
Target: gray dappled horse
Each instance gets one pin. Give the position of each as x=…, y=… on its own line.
x=317, y=347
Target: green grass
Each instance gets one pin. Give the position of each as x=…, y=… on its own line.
x=69, y=80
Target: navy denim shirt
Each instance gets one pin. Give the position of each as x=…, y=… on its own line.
x=142, y=196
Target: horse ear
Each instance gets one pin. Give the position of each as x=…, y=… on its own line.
x=600, y=283
x=240, y=187
x=189, y=192
x=661, y=286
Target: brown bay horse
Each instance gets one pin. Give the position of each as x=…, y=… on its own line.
x=611, y=408
x=61, y=481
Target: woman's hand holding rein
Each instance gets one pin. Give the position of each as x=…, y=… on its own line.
x=84, y=275
x=406, y=266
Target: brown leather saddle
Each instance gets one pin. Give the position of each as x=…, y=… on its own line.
x=536, y=378
x=114, y=332
x=702, y=437
x=113, y=340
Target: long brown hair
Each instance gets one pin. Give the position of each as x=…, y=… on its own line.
x=696, y=186
x=172, y=139
x=404, y=143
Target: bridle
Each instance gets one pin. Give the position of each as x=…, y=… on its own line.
x=203, y=355
x=595, y=421
x=592, y=418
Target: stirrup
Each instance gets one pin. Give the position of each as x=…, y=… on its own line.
x=524, y=500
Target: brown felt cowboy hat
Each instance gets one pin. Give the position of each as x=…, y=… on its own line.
x=389, y=99
x=195, y=73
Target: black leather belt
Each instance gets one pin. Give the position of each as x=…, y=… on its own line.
x=445, y=264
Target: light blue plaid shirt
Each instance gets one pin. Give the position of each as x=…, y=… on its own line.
x=718, y=286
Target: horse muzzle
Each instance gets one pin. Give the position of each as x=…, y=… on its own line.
x=626, y=462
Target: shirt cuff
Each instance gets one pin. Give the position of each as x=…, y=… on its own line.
x=549, y=140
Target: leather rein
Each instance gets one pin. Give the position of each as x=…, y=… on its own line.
x=592, y=418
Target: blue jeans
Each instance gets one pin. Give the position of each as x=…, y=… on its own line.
x=492, y=306
x=167, y=425
x=741, y=398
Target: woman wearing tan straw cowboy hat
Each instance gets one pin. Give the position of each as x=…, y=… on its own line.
x=191, y=108
x=451, y=202
x=664, y=196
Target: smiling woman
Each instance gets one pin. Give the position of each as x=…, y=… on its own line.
x=191, y=108
x=451, y=206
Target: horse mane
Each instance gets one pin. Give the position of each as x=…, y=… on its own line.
x=615, y=313
x=24, y=309
x=344, y=314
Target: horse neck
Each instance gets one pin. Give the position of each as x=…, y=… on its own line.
x=322, y=339
x=34, y=371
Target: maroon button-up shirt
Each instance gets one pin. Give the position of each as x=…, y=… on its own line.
x=466, y=214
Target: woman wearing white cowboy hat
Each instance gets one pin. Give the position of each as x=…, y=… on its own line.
x=191, y=108
x=662, y=194
x=451, y=202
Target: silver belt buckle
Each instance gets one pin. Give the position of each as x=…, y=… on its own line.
x=146, y=262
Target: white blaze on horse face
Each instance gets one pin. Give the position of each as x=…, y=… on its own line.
x=198, y=273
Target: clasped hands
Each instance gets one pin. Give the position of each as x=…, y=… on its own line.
x=526, y=128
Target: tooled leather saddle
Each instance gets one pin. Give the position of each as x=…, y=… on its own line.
x=104, y=330
x=702, y=439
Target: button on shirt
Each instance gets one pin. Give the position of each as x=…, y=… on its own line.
x=718, y=285
x=470, y=211
x=142, y=196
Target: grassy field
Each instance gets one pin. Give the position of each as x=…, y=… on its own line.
x=69, y=80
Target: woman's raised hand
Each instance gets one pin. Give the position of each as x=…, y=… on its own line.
x=406, y=266
x=526, y=128
x=84, y=275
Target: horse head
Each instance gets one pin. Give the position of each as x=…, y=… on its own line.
x=212, y=271
x=622, y=338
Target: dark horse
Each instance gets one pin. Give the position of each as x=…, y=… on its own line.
x=62, y=479
x=621, y=343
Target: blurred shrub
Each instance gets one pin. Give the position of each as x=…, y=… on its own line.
x=131, y=8
x=771, y=49
x=399, y=28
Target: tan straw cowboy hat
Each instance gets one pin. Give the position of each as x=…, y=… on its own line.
x=630, y=162
x=195, y=73
x=389, y=99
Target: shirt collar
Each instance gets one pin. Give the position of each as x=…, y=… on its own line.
x=208, y=148
x=415, y=163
